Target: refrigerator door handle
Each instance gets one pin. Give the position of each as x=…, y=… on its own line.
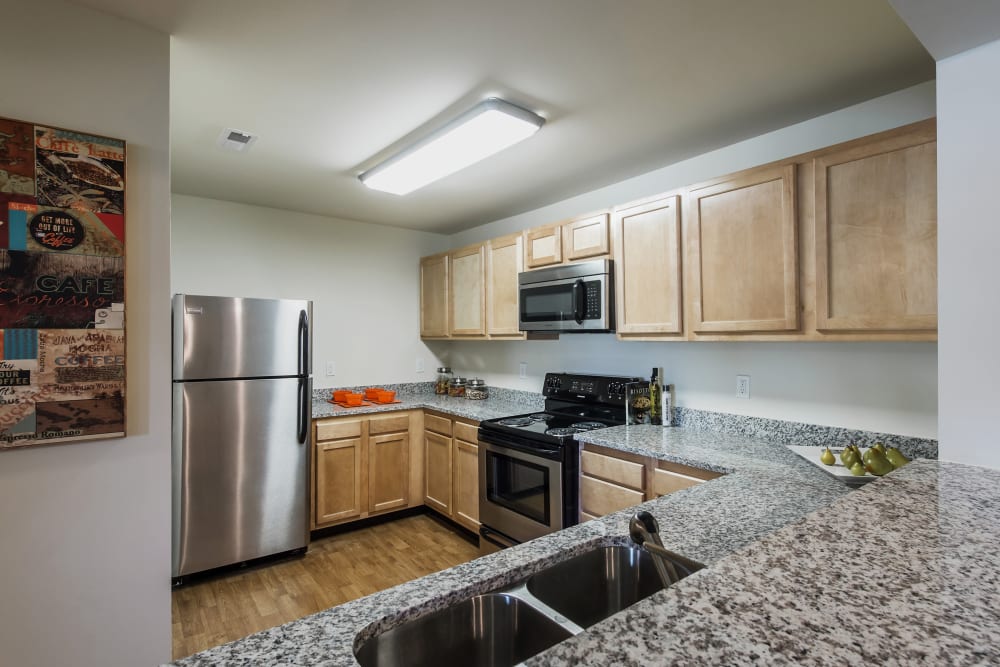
x=304, y=411
x=303, y=343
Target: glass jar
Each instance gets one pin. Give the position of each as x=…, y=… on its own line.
x=456, y=388
x=476, y=390
x=443, y=380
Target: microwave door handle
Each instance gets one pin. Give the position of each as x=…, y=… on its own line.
x=578, y=292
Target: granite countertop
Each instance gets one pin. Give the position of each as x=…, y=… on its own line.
x=502, y=405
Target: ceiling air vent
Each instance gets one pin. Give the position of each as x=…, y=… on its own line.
x=235, y=140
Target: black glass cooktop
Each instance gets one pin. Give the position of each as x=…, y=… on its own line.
x=548, y=425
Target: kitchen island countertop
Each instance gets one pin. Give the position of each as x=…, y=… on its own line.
x=800, y=569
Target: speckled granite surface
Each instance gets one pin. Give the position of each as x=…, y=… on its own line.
x=903, y=572
x=788, y=550
x=501, y=403
x=797, y=433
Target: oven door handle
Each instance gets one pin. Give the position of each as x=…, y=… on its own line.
x=579, y=291
x=541, y=452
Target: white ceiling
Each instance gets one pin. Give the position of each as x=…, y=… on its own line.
x=627, y=86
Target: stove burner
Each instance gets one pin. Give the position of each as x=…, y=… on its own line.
x=562, y=431
x=538, y=417
x=516, y=421
x=587, y=426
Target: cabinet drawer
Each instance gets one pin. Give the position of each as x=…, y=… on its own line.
x=388, y=424
x=598, y=497
x=467, y=432
x=625, y=473
x=437, y=424
x=665, y=482
x=338, y=428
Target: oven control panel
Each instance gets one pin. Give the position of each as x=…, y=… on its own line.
x=588, y=388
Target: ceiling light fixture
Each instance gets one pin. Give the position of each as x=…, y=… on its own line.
x=485, y=129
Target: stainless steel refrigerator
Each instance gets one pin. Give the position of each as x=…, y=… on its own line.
x=242, y=396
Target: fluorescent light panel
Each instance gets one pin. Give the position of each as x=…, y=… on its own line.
x=487, y=128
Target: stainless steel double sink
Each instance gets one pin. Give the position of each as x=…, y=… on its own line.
x=509, y=626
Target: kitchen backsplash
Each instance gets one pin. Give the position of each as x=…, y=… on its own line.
x=775, y=430
x=796, y=433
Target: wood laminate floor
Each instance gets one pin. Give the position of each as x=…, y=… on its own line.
x=335, y=570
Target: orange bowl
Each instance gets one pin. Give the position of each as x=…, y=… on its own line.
x=372, y=392
x=386, y=396
x=340, y=395
x=353, y=399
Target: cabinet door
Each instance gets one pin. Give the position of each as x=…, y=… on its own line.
x=743, y=256
x=876, y=236
x=648, y=267
x=543, y=246
x=598, y=497
x=434, y=296
x=587, y=237
x=504, y=262
x=388, y=471
x=437, y=472
x=466, y=510
x=340, y=477
x=467, y=278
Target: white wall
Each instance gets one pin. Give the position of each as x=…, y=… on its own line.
x=363, y=280
x=85, y=528
x=968, y=248
x=886, y=387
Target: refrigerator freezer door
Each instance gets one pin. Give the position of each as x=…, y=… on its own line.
x=240, y=471
x=224, y=337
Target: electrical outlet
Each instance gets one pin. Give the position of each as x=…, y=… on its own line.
x=331, y=368
x=522, y=370
x=742, y=386
x=420, y=365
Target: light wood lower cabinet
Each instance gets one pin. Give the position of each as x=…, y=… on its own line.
x=437, y=458
x=340, y=470
x=364, y=466
x=611, y=480
x=452, y=474
x=466, y=483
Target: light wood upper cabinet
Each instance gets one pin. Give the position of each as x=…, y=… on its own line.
x=434, y=296
x=648, y=268
x=504, y=260
x=876, y=235
x=543, y=246
x=742, y=253
x=388, y=471
x=467, y=291
x=585, y=238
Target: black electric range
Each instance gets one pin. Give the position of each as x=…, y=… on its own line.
x=529, y=465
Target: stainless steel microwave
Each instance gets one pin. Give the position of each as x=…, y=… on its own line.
x=572, y=298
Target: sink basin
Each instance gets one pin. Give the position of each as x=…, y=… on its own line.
x=597, y=584
x=494, y=629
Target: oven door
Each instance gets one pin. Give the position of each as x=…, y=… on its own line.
x=568, y=304
x=520, y=492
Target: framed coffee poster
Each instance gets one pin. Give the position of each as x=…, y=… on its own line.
x=62, y=285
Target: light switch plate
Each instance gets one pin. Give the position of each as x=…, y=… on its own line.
x=420, y=365
x=331, y=368
x=522, y=369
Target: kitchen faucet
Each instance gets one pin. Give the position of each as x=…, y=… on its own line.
x=670, y=567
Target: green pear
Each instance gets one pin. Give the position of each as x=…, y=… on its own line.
x=876, y=463
x=857, y=469
x=848, y=457
x=896, y=457
x=827, y=457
